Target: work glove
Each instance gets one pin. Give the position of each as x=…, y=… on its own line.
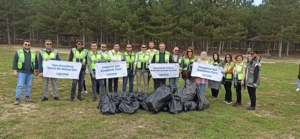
x=255, y=85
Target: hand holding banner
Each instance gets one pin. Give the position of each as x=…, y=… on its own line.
x=111, y=70
x=162, y=70
x=61, y=69
x=207, y=71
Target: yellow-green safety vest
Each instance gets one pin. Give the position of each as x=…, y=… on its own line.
x=186, y=62
x=105, y=56
x=143, y=60
x=79, y=56
x=227, y=68
x=94, y=58
x=199, y=60
x=117, y=56
x=167, y=56
x=129, y=60
x=21, y=58
x=151, y=54
x=239, y=71
x=45, y=55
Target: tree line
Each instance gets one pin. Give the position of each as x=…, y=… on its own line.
x=222, y=24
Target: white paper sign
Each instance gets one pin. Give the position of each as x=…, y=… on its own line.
x=111, y=70
x=207, y=71
x=170, y=70
x=61, y=69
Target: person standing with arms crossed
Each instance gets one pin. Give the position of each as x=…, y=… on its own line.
x=46, y=54
x=78, y=54
x=25, y=65
x=141, y=69
x=161, y=56
x=114, y=55
x=176, y=58
x=151, y=52
x=94, y=57
x=239, y=74
x=130, y=59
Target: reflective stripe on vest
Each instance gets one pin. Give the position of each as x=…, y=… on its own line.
x=167, y=56
x=21, y=58
x=151, y=54
x=227, y=68
x=117, y=56
x=94, y=58
x=186, y=63
x=143, y=60
x=79, y=56
x=45, y=55
x=239, y=71
x=129, y=60
x=105, y=56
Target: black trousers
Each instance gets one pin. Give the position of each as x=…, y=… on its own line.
x=158, y=83
x=238, y=90
x=98, y=86
x=84, y=87
x=252, y=95
x=228, y=92
x=215, y=92
x=110, y=80
x=149, y=77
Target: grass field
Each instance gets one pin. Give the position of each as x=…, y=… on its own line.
x=277, y=114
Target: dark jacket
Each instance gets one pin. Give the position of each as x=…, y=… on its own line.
x=72, y=55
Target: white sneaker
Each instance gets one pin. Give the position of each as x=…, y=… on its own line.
x=86, y=92
x=297, y=89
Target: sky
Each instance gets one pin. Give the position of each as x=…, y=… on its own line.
x=257, y=2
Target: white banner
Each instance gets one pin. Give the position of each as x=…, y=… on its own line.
x=207, y=71
x=111, y=70
x=170, y=70
x=61, y=69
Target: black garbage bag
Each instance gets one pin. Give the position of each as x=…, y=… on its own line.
x=187, y=92
x=129, y=103
x=142, y=99
x=175, y=105
x=106, y=105
x=190, y=106
x=165, y=109
x=202, y=101
x=159, y=99
x=115, y=98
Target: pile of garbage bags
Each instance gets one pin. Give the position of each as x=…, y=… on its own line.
x=166, y=98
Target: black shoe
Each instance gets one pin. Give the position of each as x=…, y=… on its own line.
x=27, y=99
x=79, y=99
x=44, y=99
x=94, y=98
x=56, y=98
x=250, y=108
x=72, y=99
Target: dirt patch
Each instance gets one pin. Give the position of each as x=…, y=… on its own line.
x=12, y=110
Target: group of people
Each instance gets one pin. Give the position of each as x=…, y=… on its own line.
x=240, y=74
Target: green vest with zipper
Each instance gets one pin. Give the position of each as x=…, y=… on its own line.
x=186, y=62
x=45, y=55
x=105, y=56
x=227, y=68
x=79, y=56
x=143, y=60
x=21, y=58
x=129, y=60
x=239, y=71
x=117, y=56
x=95, y=58
x=167, y=56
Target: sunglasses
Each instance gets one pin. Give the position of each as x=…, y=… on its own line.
x=144, y=47
x=103, y=46
x=227, y=57
x=79, y=44
x=48, y=43
x=189, y=51
x=176, y=50
x=27, y=44
x=128, y=47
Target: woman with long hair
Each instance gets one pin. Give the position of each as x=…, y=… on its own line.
x=252, y=79
x=215, y=86
x=239, y=73
x=228, y=76
x=188, y=58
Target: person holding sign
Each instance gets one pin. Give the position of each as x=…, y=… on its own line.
x=176, y=58
x=161, y=56
x=130, y=59
x=201, y=82
x=151, y=52
x=238, y=79
x=252, y=79
x=187, y=60
x=141, y=69
x=106, y=58
x=78, y=54
x=25, y=65
x=215, y=86
x=228, y=70
x=114, y=55
x=95, y=57
x=48, y=53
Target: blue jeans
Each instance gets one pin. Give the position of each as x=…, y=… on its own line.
x=80, y=84
x=173, y=82
x=298, y=85
x=23, y=80
x=202, y=88
x=130, y=76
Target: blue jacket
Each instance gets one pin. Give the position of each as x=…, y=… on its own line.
x=40, y=65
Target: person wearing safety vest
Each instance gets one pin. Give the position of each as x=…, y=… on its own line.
x=105, y=59
x=130, y=59
x=46, y=54
x=187, y=60
x=239, y=72
x=114, y=55
x=228, y=76
x=141, y=68
x=151, y=52
x=78, y=54
x=94, y=57
x=215, y=86
x=176, y=58
x=253, y=79
x=25, y=65
x=161, y=56
x=201, y=82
